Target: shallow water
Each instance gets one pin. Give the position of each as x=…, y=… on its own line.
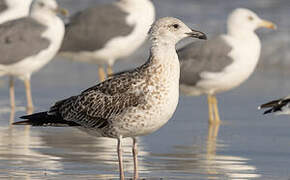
x=247, y=145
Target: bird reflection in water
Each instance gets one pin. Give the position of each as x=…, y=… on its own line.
x=222, y=165
x=201, y=161
x=96, y=157
x=18, y=157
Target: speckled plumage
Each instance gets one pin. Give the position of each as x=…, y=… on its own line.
x=116, y=106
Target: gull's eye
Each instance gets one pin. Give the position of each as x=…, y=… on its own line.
x=176, y=26
x=41, y=4
x=250, y=18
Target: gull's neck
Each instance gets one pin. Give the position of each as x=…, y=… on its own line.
x=45, y=18
x=164, y=60
x=163, y=49
x=134, y=2
x=241, y=33
x=163, y=66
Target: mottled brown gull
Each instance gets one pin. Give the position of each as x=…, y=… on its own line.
x=132, y=103
x=224, y=62
x=29, y=43
x=107, y=32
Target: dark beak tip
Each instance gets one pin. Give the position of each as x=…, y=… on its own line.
x=204, y=37
x=197, y=34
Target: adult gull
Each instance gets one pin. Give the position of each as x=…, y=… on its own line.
x=107, y=32
x=224, y=62
x=29, y=43
x=279, y=106
x=13, y=9
x=132, y=103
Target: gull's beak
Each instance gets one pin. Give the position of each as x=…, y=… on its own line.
x=62, y=11
x=196, y=34
x=267, y=24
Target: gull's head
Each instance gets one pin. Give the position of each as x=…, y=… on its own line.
x=47, y=6
x=242, y=19
x=172, y=30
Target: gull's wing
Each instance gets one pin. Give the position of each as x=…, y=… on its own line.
x=20, y=39
x=199, y=57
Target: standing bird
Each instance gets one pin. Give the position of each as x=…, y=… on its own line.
x=29, y=43
x=107, y=32
x=224, y=62
x=13, y=9
x=129, y=104
x=279, y=106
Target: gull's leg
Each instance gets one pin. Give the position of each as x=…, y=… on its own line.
x=216, y=110
x=12, y=116
x=12, y=93
x=210, y=109
x=28, y=96
x=101, y=71
x=110, y=70
x=216, y=131
x=120, y=157
x=135, y=156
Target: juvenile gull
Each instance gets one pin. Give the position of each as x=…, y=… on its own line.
x=13, y=9
x=224, y=62
x=279, y=106
x=29, y=43
x=107, y=32
x=132, y=103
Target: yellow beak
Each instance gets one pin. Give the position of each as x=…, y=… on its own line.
x=62, y=11
x=267, y=24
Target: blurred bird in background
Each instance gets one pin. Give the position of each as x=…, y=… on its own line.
x=107, y=32
x=29, y=43
x=224, y=62
x=13, y=9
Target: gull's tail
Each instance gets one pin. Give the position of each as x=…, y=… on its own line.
x=45, y=119
x=279, y=106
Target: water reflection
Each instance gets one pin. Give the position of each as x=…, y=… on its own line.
x=228, y=166
x=18, y=159
x=89, y=155
x=203, y=162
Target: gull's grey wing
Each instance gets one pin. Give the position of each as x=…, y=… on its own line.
x=3, y=6
x=91, y=29
x=21, y=38
x=198, y=57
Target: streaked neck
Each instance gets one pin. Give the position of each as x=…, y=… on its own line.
x=162, y=47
